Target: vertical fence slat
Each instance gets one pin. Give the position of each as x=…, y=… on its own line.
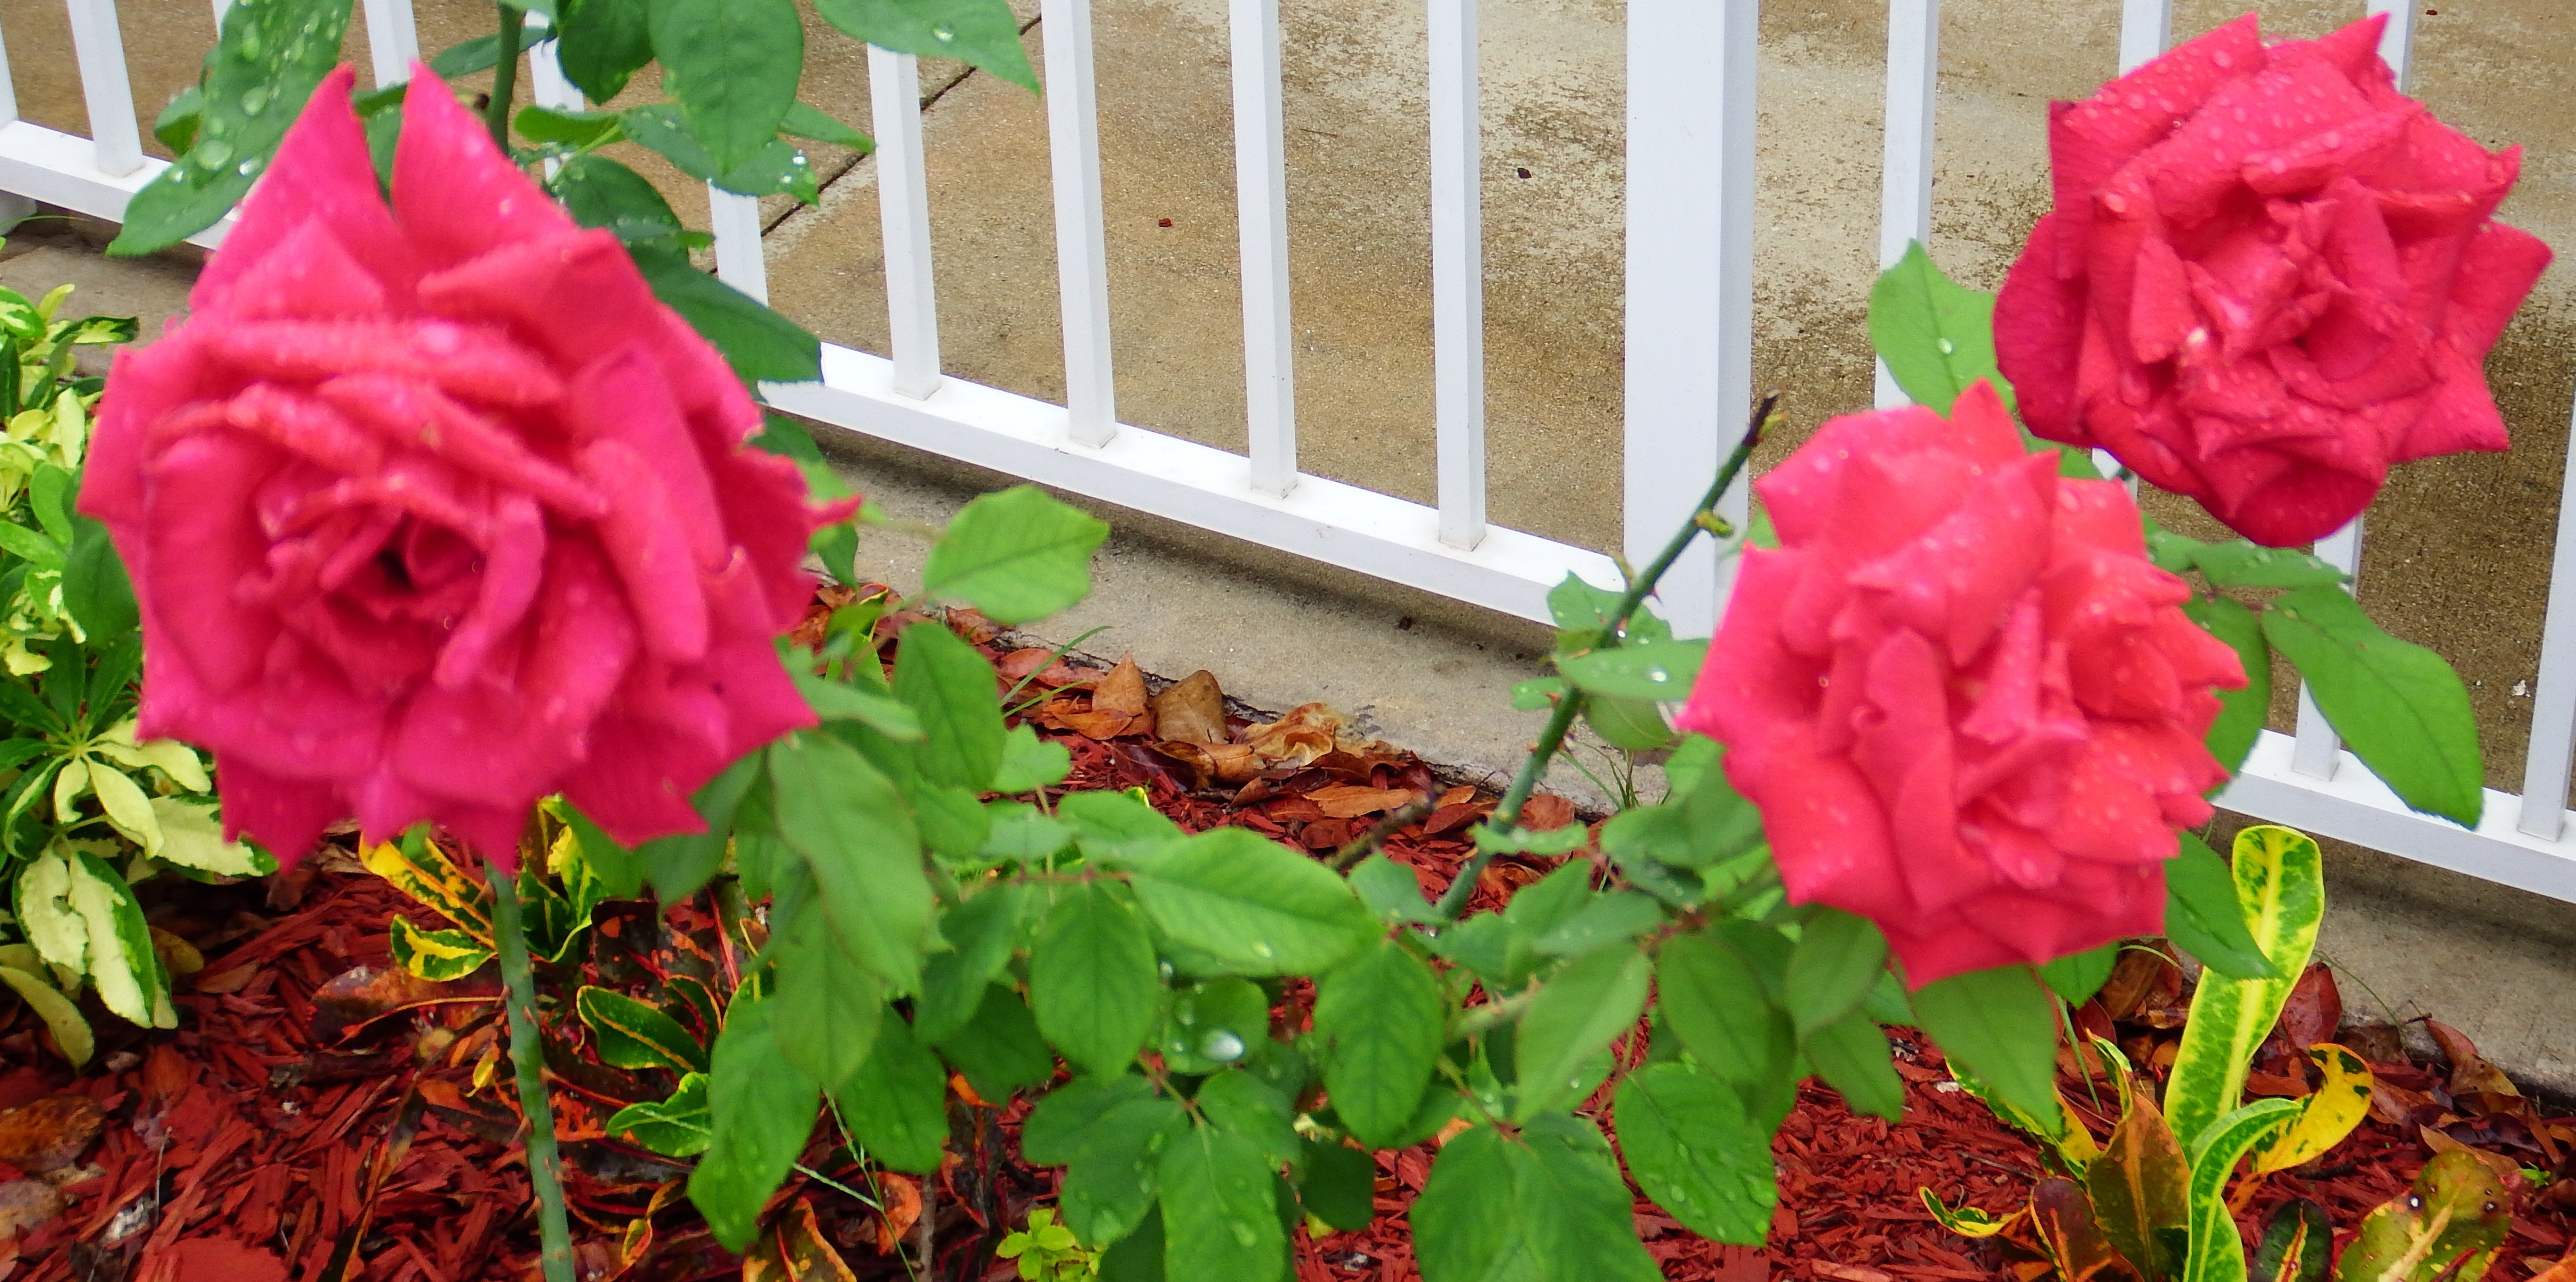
x=1261, y=219
x=8, y=87
x=1081, y=229
x=221, y=8
x=546, y=83
x=1689, y=316
x=735, y=219
x=2314, y=754
x=2146, y=27
x=1905, y=163
x=2397, y=43
x=1458, y=270
x=903, y=201
x=393, y=42
x=2553, y=701
x=104, y=87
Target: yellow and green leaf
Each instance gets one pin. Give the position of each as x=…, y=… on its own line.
x=418, y=868
x=439, y=955
x=631, y=1034
x=2217, y=1253
x=2326, y=1116
x=1966, y=1221
x=62, y=1018
x=2450, y=1223
x=2280, y=885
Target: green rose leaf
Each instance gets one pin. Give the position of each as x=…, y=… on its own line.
x=980, y=33
x=1937, y=338
x=1018, y=555
x=2398, y=706
x=1252, y=903
x=1566, y=1033
x=761, y=1109
x=1379, y=1018
x=2002, y=1026
x=2241, y=713
x=1092, y=979
x=1696, y=1154
x=267, y=62
x=896, y=1105
x=733, y=65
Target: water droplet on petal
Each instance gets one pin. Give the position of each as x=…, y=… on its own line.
x=943, y=33
x=1261, y=948
x=1948, y=348
x=1221, y=1046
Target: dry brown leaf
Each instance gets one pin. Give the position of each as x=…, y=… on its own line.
x=1458, y=796
x=1192, y=710
x=2392, y=1104
x=1455, y=815
x=1350, y=801
x=1546, y=812
x=1037, y=667
x=900, y=1198
x=1301, y=736
x=50, y=1133
x=2471, y=1074
x=1213, y=762
x=1122, y=690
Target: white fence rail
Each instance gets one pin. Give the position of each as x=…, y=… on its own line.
x=1688, y=375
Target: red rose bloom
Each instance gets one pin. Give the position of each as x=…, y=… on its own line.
x=1966, y=703
x=2268, y=277
x=433, y=510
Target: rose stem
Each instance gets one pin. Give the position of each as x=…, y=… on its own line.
x=527, y=1055
x=505, y=77
x=1570, y=703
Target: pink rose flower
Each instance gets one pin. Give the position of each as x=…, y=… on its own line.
x=433, y=510
x=1966, y=703
x=2268, y=277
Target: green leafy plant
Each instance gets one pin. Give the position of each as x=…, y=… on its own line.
x=1046, y=1251
x=86, y=809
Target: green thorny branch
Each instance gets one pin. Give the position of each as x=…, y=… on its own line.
x=527, y=1056
x=1569, y=703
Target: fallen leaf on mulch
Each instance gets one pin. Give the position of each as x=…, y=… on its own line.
x=50, y=1133
x=1192, y=710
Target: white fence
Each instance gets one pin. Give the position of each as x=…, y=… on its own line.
x=1688, y=376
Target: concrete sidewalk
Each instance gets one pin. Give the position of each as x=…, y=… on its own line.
x=2459, y=548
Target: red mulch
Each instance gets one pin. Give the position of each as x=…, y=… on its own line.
x=281, y=1124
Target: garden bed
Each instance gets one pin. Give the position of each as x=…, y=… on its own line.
x=320, y=1114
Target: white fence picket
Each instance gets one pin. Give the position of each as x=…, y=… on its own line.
x=903, y=197
x=105, y=87
x=1905, y=161
x=1457, y=271
x=740, y=260
x=1689, y=369
x=393, y=40
x=1261, y=219
x=2543, y=812
x=2146, y=29
x=1081, y=226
